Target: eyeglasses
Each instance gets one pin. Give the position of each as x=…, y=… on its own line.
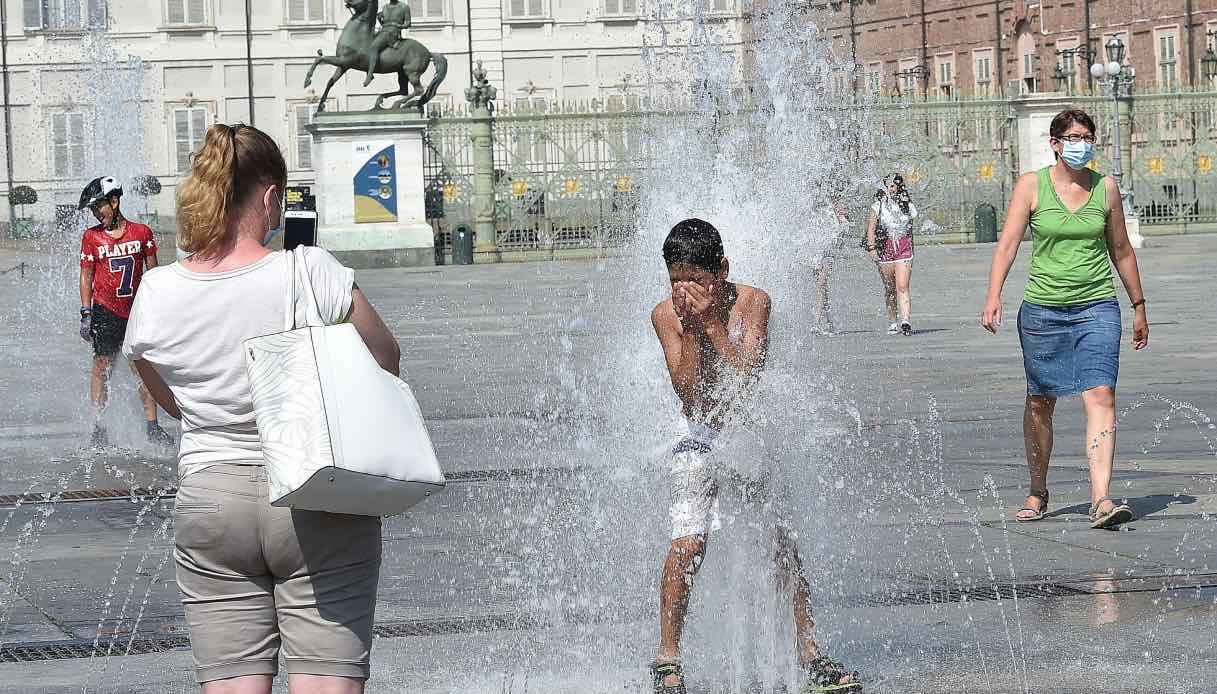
x=1076, y=138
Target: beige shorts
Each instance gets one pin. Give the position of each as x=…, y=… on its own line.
x=255, y=578
x=704, y=464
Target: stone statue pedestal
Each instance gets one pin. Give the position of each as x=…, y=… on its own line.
x=361, y=231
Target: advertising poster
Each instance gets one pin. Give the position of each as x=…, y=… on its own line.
x=375, y=182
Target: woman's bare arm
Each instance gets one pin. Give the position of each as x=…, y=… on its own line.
x=1018, y=216
x=375, y=333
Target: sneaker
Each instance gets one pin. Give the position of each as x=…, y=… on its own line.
x=906, y=329
x=159, y=436
x=99, y=437
x=893, y=329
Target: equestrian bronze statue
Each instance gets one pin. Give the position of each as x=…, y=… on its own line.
x=362, y=47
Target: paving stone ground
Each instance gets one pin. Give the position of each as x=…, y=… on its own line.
x=535, y=570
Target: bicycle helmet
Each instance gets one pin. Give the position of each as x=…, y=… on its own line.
x=99, y=189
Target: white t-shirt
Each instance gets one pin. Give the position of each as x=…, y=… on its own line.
x=189, y=326
x=892, y=218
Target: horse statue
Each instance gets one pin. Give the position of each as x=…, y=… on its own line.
x=407, y=58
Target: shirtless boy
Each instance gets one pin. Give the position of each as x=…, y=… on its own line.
x=715, y=338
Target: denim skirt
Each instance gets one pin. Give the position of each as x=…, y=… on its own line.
x=1070, y=349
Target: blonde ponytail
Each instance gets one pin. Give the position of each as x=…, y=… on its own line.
x=233, y=163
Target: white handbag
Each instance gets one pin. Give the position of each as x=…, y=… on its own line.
x=339, y=433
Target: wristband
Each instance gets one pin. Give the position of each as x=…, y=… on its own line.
x=85, y=311
x=1139, y=303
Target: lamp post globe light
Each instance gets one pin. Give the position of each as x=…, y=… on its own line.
x=1117, y=77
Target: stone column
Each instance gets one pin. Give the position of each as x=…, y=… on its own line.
x=480, y=97
x=1124, y=123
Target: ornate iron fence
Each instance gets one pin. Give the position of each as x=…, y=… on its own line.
x=566, y=177
x=563, y=179
x=955, y=156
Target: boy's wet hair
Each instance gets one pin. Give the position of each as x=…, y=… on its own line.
x=696, y=242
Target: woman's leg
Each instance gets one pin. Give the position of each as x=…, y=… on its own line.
x=248, y=684
x=1100, y=406
x=904, y=274
x=888, y=274
x=1037, y=439
x=323, y=684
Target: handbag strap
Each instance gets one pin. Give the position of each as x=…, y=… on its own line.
x=289, y=313
x=298, y=272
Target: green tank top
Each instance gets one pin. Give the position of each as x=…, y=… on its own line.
x=1069, y=262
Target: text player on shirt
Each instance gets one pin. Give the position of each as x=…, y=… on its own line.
x=113, y=257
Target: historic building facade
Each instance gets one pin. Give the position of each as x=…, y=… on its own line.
x=202, y=61
x=947, y=47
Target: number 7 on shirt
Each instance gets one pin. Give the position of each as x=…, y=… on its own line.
x=125, y=265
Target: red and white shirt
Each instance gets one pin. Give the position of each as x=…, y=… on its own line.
x=118, y=264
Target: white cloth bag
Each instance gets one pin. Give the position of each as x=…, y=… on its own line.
x=339, y=433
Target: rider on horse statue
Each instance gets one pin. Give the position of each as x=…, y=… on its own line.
x=394, y=18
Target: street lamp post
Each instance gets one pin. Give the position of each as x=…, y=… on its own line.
x=917, y=71
x=1060, y=75
x=1117, y=76
x=1208, y=64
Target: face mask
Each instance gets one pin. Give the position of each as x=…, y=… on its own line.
x=1077, y=154
x=272, y=233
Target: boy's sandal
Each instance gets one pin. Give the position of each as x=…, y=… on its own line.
x=825, y=674
x=661, y=670
x=1121, y=513
x=1027, y=514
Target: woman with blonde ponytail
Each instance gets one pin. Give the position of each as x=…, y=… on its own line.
x=255, y=579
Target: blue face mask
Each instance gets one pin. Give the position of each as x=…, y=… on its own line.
x=272, y=233
x=1077, y=154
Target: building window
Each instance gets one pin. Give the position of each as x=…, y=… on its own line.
x=67, y=144
x=532, y=103
x=906, y=79
x=527, y=9
x=946, y=73
x=305, y=11
x=874, y=78
x=1168, y=57
x=302, y=115
x=427, y=10
x=64, y=15
x=185, y=12
x=722, y=6
x=982, y=69
x=189, y=128
x=620, y=8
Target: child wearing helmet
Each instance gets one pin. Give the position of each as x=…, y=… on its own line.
x=113, y=257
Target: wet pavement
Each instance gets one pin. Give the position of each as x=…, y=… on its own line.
x=535, y=570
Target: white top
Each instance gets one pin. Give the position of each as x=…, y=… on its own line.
x=892, y=218
x=189, y=326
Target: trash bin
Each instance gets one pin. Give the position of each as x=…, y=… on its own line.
x=462, y=245
x=986, y=223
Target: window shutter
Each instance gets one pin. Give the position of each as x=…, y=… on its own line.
x=296, y=10
x=316, y=11
x=435, y=9
x=59, y=137
x=517, y=8
x=612, y=7
x=304, y=140
x=629, y=7
x=175, y=12
x=535, y=8
x=69, y=14
x=197, y=11
x=76, y=141
x=97, y=14
x=33, y=14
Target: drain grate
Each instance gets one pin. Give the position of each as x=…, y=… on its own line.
x=943, y=596
x=86, y=495
x=70, y=650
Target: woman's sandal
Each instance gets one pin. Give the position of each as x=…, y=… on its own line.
x=1027, y=514
x=663, y=669
x=825, y=675
x=1118, y=515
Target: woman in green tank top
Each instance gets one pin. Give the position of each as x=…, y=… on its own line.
x=1069, y=322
